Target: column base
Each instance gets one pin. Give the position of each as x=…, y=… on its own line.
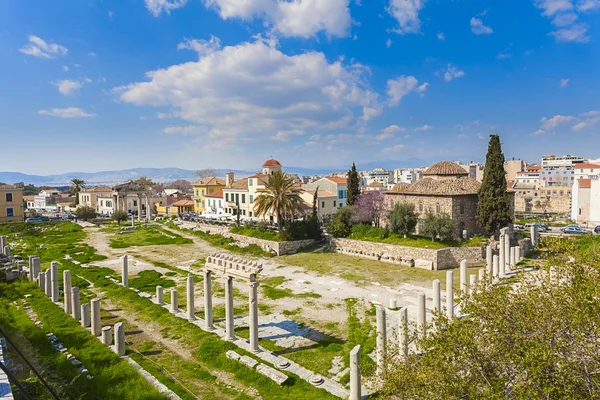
x=231, y=339
x=209, y=328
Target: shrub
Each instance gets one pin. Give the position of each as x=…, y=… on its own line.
x=302, y=230
x=402, y=218
x=341, y=224
x=441, y=226
x=85, y=213
x=119, y=216
x=363, y=231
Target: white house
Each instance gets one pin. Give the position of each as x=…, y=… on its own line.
x=585, y=205
x=586, y=171
x=215, y=204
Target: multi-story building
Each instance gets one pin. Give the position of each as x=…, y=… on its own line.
x=475, y=170
x=204, y=187
x=90, y=197
x=215, y=203
x=586, y=171
x=527, y=177
x=331, y=196
x=46, y=199
x=11, y=203
x=404, y=175
x=378, y=175
x=511, y=167
x=585, y=208
x=559, y=171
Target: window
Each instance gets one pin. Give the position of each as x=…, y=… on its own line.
x=196, y=192
x=322, y=204
x=10, y=212
x=109, y=204
x=438, y=208
x=9, y=197
x=250, y=214
x=340, y=194
x=462, y=206
x=420, y=207
x=251, y=199
x=243, y=212
x=580, y=211
x=202, y=192
x=249, y=182
x=203, y=204
x=334, y=203
x=135, y=203
x=211, y=190
x=243, y=198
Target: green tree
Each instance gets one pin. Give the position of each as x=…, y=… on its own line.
x=493, y=206
x=402, y=219
x=144, y=181
x=119, y=216
x=353, y=184
x=85, y=213
x=441, y=226
x=341, y=225
x=77, y=185
x=281, y=197
x=314, y=205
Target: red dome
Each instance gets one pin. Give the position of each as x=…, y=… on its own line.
x=272, y=163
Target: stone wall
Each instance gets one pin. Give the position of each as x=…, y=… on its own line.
x=431, y=259
x=557, y=199
x=278, y=248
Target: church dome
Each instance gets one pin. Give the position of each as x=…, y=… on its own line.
x=446, y=168
x=272, y=163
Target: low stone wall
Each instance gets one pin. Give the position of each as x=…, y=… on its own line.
x=277, y=248
x=431, y=259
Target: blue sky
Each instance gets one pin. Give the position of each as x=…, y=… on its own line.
x=91, y=85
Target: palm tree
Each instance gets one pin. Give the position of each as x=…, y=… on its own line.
x=281, y=197
x=77, y=185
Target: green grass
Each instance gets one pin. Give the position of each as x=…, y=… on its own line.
x=146, y=236
x=255, y=233
x=271, y=291
x=147, y=281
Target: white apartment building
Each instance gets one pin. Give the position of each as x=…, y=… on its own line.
x=586, y=171
x=585, y=206
x=404, y=175
x=379, y=175
x=559, y=171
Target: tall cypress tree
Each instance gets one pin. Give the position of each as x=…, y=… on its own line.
x=353, y=184
x=493, y=206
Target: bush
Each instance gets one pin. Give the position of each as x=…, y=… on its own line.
x=441, y=226
x=402, y=218
x=363, y=231
x=85, y=213
x=302, y=230
x=341, y=226
x=119, y=216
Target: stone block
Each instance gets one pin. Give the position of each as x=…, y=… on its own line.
x=248, y=361
x=271, y=373
x=232, y=355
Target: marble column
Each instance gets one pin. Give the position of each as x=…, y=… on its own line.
x=464, y=284
x=115, y=203
x=55, y=282
x=381, y=339
x=67, y=291
x=533, y=232
x=36, y=267
x=253, y=316
x=507, y=255
x=75, y=304
x=30, y=265
x=190, y=298
x=403, y=333
x=125, y=271
x=120, y=338
x=208, y=318
x=501, y=251
x=449, y=294
x=437, y=296
x=2, y=244
x=96, y=324
x=496, y=268
x=107, y=335
x=7, y=251
x=481, y=276
x=160, y=299
x=42, y=281
x=355, y=381
x=393, y=304
x=174, y=301
x=472, y=284
x=139, y=203
x=48, y=280
x=148, y=209
x=422, y=315
x=488, y=259
x=85, y=315
x=229, y=326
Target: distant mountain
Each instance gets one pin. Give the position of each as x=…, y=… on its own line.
x=165, y=175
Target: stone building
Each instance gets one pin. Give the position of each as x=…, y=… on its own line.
x=445, y=188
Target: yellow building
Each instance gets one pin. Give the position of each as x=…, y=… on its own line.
x=204, y=187
x=11, y=203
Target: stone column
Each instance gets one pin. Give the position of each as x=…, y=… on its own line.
x=488, y=259
x=393, y=304
x=473, y=284
x=42, y=281
x=7, y=251
x=30, y=262
x=229, y=327
x=381, y=339
x=253, y=316
x=75, y=307
x=139, y=203
x=422, y=315
x=120, y=338
x=96, y=324
x=501, y=251
x=208, y=318
x=174, y=301
x=507, y=255
x=437, y=296
x=160, y=295
x=67, y=291
x=36, y=267
x=85, y=315
x=148, y=209
x=115, y=203
x=55, y=282
x=125, y=271
x=48, y=280
x=449, y=294
x=190, y=298
x=403, y=332
x=355, y=381
x=464, y=284
x=2, y=244
x=107, y=335
x=496, y=269
x=533, y=233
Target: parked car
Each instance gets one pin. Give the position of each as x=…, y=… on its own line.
x=33, y=220
x=573, y=230
x=597, y=230
x=543, y=227
x=518, y=227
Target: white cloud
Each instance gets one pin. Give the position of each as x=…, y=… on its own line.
x=588, y=5
x=441, y=36
x=394, y=149
x=92, y=54
x=65, y=68
x=388, y=43
x=302, y=18
x=392, y=129
x=186, y=130
x=69, y=112
x=553, y=7
x=156, y=7
x=451, y=73
x=201, y=46
x=564, y=19
x=423, y=128
x=68, y=87
x=503, y=56
x=576, y=33
x=564, y=83
x=406, y=12
x=478, y=28
x=590, y=119
x=384, y=136
x=463, y=136
x=401, y=86
x=315, y=137
x=111, y=15
x=284, y=136
x=564, y=16
x=549, y=124
x=254, y=90
x=38, y=47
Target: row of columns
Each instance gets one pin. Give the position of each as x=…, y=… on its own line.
x=120, y=201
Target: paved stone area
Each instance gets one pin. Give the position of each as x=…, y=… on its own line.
x=5, y=390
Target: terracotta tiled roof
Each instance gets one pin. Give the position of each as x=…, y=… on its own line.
x=212, y=181
x=398, y=187
x=445, y=168
x=272, y=163
x=325, y=193
x=28, y=198
x=534, y=168
x=5, y=186
x=375, y=184
x=259, y=175
x=241, y=184
x=429, y=186
x=217, y=194
x=100, y=189
x=337, y=179
x=510, y=184
x=585, y=183
x=183, y=203
x=580, y=166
